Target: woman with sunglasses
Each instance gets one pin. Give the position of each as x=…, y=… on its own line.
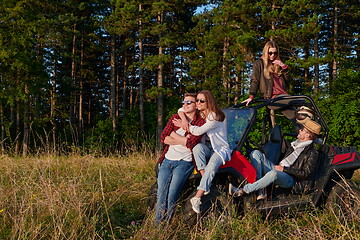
x=269, y=74
x=216, y=147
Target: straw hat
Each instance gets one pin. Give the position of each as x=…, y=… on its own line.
x=312, y=126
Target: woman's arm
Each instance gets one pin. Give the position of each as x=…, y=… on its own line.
x=184, y=121
x=255, y=76
x=197, y=131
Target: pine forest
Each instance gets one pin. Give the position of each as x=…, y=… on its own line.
x=104, y=76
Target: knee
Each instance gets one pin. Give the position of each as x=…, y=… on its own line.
x=256, y=156
x=198, y=149
x=273, y=174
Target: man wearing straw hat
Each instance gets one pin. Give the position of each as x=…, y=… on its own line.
x=298, y=164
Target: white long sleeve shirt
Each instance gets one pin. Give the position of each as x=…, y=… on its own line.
x=217, y=134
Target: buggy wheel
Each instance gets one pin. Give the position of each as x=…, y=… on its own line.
x=344, y=200
x=217, y=205
x=152, y=196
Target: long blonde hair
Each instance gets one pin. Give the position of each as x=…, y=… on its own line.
x=269, y=67
x=212, y=106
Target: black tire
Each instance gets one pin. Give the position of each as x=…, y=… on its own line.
x=217, y=204
x=344, y=200
x=152, y=196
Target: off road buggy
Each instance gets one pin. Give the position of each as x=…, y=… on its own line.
x=250, y=128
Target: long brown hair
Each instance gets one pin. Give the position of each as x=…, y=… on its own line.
x=269, y=67
x=212, y=106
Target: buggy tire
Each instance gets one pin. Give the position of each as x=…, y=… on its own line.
x=344, y=200
x=217, y=204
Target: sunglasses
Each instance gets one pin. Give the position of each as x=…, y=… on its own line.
x=201, y=100
x=187, y=102
x=272, y=53
x=302, y=116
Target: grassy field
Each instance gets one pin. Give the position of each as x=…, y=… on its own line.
x=82, y=197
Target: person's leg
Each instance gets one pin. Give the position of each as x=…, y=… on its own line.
x=261, y=164
x=205, y=182
x=284, y=180
x=280, y=178
x=272, y=117
x=210, y=171
x=201, y=153
x=164, y=178
x=181, y=173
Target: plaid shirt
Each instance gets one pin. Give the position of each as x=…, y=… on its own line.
x=170, y=127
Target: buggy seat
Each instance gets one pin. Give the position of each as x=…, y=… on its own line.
x=273, y=148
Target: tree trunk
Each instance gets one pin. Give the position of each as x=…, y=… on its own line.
x=132, y=95
x=335, y=49
x=316, y=67
x=18, y=128
x=238, y=85
x=182, y=71
x=225, y=73
x=307, y=81
x=26, y=122
x=160, y=99
x=113, y=82
x=272, y=21
x=52, y=108
x=81, y=91
x=141, y=80
x=125, y=82
x=73, y=78
x=89, y=112
x=2, y=128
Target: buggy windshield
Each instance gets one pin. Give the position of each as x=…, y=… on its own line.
x=237, y=123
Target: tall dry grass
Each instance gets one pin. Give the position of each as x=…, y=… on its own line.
x=83, y=197
x=76, y=197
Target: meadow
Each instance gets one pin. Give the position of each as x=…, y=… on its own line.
x=87, y=197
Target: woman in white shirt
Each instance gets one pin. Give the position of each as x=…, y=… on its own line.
x=216, y=146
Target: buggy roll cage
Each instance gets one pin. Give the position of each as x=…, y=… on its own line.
x=282, y=103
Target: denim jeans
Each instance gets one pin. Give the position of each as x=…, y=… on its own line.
x=264, y=166
x=171, y=179
x=201, y=153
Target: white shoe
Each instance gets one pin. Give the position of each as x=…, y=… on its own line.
x=261, y=194
x=261, y=197
x=207, y=192
x=234, y=191
x=195, y=203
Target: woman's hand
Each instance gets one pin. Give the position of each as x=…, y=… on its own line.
x=278, y=62
x=184, y=124
x=247, y=101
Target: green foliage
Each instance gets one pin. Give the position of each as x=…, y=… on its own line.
x=101, y=139
x=342, y=110
x=55, y=55
x=154, y=92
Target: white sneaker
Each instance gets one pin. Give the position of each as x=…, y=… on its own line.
x=261, y=197
x=206, y=192
x=234, y=191
x=195, y=203
x=261, y=194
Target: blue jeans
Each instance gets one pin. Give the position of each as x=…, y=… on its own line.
x=201, y=153
x=171, y=179
x=264, y=166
